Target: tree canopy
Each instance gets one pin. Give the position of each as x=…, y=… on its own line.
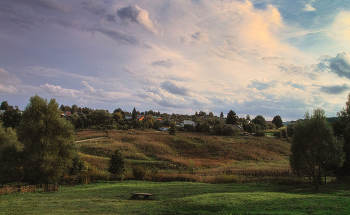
x=4, y=106
x=277, y=120
x=260, y=120
x=48, y=140
x=231, y=117
x=314, y=148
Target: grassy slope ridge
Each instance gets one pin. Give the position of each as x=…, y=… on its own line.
x=180, y=198
x=205, y=151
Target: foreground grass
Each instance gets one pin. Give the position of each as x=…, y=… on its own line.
x=181, y=198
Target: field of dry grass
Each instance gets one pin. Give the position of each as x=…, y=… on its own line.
x=203, y=153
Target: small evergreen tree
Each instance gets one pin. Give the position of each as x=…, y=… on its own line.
x=231, y=118
x=134, y=114
x=221, y=114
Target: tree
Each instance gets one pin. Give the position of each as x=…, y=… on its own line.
x=4, y=106
x=221, y=114
x=260, y=120
x=231, y=117
x=314, y=148
x=48, y=141
x=134, y=114
x=74, y=109
x=343, y=131
x=210, y=114
x=10, y=156
x=248, y=118
x=11, y=118
x=117, y=163
x=277, y=120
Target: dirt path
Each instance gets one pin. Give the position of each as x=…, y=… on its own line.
x=89, y=139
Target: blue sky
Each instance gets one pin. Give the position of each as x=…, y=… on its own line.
x=259, y=57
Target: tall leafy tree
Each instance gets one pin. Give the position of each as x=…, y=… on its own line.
x=74, y=109
x=260, y=120
x=4, y=106
x=314, y=148
x=48, y=141
x=231, y=117
x=11, y=118
x=221, y=114
x=277, y=120
x=342, y=130
x=10, y=156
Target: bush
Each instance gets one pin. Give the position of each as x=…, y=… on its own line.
x=284, y=133
x=277, y=134
x=260, y=134
x=138, y=172
x=117, y=163
x=172, y=130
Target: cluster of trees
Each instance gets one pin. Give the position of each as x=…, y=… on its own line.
x=41, y=148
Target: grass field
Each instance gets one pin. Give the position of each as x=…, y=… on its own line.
x=181, y=198
x=207, y=153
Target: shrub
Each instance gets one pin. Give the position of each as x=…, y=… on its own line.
x=172, y=130
x=138, y=172
x=117, y=163
x=260, y=134
x=224, y=179
x=277, y=134
x=284, y=133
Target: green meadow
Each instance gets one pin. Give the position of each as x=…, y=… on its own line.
x=181, y=198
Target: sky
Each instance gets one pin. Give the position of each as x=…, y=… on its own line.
x=257, y=57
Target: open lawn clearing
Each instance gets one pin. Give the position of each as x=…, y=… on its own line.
x=181, y=198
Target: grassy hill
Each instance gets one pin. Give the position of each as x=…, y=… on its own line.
x=205, y=153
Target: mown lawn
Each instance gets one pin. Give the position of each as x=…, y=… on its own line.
x=181, y=198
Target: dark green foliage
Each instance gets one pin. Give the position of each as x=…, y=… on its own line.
x=260, y=120
x=342, y=130
x=284, y=133
x=78, y=166
x=230, y=131
x=138, y=172
x=100, y=117
x=117, y=163
x=260, y=134
x=134, y=114
x=314, y=148
x=231, y=118
x=277, y=134
x=189, y=127
x=172, y=130
x=4, y=106
x=290, y=129
x=48, y=141
x=271, y=126
x=74, y=109
x=11, y=118
x=203, y=126
x=251, y=128
x=277, y=120
x=221, y=114
x=10, y=156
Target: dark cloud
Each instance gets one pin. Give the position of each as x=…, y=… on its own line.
x=298, y=86
x=174, y=88
x=110, y=18
x=46, y=4
x=262, y=85
x=336, y=89
x=165, y=63
x=137, y=15
x=339, y=65
x=121, y=37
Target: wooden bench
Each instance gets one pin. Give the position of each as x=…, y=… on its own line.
x=136, y=195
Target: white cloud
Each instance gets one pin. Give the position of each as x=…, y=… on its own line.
x=58, y=91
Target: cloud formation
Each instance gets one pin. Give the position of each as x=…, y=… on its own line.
x=196, y=38
x=261, y=85
x=175, y=88
x=339, y=65
x=137, y=15
x=336, y=89
x=164, y=63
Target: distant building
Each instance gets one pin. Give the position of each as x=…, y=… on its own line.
x=164, y=128
x=187, y=122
